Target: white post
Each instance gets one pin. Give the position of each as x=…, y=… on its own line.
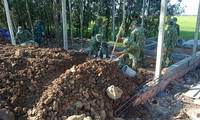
x=196, y=32
x=113, y=20
x=143, y=13
x=160, y=38
x=10, y=26
x=64, y=19
x=70, y=17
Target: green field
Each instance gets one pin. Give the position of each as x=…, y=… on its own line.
x=187, y=26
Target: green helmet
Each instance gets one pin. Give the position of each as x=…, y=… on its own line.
x=134, y=22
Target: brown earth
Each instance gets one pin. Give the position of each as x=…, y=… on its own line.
x=26, y=71
x=39, y=81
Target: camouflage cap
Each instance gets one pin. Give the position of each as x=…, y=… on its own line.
x=134, y=22
x=104, y=21
x=170, y=22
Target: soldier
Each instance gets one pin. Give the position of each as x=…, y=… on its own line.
x=130, y=55
x=22, y=35
x=177, y=26
x=138, y=36
x=95, y=43
x=39, y=31
x=102, y=31
x=95, y=28
x=169, y=44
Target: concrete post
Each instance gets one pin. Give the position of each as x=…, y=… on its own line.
x=113, y=20
x=10, y=26
x=196, y=32
x=160, y=38
x=64, y=20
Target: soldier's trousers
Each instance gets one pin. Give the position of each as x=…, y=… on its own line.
x=105, y=48
x=167, y=60
x=128, y=59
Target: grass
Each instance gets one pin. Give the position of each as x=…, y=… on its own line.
x=187, y=26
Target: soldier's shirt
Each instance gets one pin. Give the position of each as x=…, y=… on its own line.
x=102, y=31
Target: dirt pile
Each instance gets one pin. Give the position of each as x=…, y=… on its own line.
x=82, y=90
x=25, y=72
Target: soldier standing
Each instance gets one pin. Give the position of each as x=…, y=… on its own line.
x=169, y=44
x=39, y=31
x=177, y=26
x=95, y=29
x=130, y=55
x=102, y=31
x=138, y=36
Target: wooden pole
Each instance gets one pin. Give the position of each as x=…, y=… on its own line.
x=64, y=20
x=122, y=27
x=10, y=26
x=160, y=38
x=196, y=32
x=113, y=20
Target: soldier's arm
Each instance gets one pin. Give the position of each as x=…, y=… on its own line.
x=178, y=30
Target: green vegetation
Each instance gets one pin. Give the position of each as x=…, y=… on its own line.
x=187, y=26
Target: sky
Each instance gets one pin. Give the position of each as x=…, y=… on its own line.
x=192, y=6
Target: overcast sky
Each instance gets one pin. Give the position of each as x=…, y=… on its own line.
x=192, y=6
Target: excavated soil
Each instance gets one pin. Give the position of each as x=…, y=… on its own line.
x=82, y=90
x=50, y=83
x=25, y=71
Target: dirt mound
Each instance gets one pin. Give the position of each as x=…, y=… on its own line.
x=26, y=71
x=82, y=90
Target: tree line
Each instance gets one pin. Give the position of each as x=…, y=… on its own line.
x=81, y=15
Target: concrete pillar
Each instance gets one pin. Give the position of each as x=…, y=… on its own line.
x=64, y=20
x=196, y=32
x=160, y=38
x=10, y=26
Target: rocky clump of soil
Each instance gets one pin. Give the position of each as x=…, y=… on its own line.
x=82, y=90
x=26, y=71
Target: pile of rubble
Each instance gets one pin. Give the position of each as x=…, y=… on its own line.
x=50, y=83
x=25, y=71
x=82, y=90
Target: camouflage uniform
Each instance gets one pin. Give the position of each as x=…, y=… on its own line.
x=131, y=54
x=177, y=26
x=95, y=45
x=102, y=31
x=39, y=32
x=95, y=29
x=22, y=35
x=138, y=36
x=169, y=44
